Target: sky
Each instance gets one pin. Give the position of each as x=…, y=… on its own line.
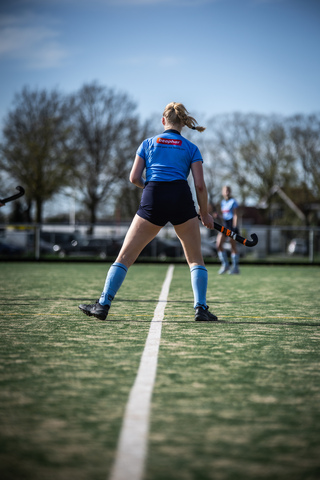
x=215, y=56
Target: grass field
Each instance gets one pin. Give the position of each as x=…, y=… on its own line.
x=238, y=399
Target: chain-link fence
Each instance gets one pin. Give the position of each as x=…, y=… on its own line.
x=33, y=241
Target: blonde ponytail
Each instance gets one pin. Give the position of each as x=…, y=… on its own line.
x=176, y=113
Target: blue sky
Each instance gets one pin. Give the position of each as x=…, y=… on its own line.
x=215, y=56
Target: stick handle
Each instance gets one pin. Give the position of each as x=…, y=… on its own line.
x=13, y=197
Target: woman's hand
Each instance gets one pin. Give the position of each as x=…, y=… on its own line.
x=207, y=221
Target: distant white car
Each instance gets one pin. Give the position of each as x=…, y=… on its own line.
x=209, y=247
x=297, y=246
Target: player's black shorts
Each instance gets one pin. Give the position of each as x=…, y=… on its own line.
x=228, y=224
x=164, y=202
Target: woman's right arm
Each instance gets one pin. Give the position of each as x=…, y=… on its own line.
x=136, y=172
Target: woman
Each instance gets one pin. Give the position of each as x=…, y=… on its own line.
x=230, y=219
x=167, y=159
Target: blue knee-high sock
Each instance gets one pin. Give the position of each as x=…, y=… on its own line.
x=115, y=277
x=223, y=257
x=199, y=282
x=235, y=259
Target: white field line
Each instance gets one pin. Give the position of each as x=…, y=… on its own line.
x=133, y=440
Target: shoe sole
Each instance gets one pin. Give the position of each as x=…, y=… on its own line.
x=206, y=320
x=89, y=314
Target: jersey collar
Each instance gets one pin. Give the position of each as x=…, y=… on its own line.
x=171, y=130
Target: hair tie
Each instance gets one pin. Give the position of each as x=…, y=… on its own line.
x=193, y=128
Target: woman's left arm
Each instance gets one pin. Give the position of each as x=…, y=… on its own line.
x=202, y=194
x=136, y=172
x=235, y=218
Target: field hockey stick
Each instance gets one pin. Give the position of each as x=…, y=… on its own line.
x=13, y=197
x=236, y=236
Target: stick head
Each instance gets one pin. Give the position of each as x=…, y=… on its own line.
x=21, y=189
x=253, y=241
x=13, y=197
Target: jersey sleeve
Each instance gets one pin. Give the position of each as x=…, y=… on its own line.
x=141, y=150
x=235, y=204
x=196, y=156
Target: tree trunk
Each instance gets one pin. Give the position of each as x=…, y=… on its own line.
x=38, y=210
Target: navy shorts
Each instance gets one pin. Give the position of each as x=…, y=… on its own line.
x=228, y=224
x=164, y=202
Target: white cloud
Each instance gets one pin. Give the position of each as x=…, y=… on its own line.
x=49, y=56
x=29, y=40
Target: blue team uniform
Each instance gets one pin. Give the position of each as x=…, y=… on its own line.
x=227, y=209
x=168, y=156
x=167, y=196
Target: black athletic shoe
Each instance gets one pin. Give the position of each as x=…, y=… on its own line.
x=95, y=310
x=203, y=315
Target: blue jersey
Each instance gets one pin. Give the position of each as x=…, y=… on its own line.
x=228, y=207
x=168, y=156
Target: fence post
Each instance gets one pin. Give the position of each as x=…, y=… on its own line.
x=311, y=245
x=37, y=241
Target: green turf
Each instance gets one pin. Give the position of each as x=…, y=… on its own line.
x=235, y=400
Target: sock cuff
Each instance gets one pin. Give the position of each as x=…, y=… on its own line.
x=198, y=267
x=118, y=264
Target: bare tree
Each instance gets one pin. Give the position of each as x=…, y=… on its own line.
x=254, y=152
x=128, y=197
x=106, y=128
x=305, y=138
x=36, y=150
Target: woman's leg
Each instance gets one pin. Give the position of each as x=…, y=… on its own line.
x=140, y=233
x=222, y=254
x=234, y=257
x=190, y=238
x=220, y=241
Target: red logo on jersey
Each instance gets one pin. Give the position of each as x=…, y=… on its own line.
x=169, y=141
